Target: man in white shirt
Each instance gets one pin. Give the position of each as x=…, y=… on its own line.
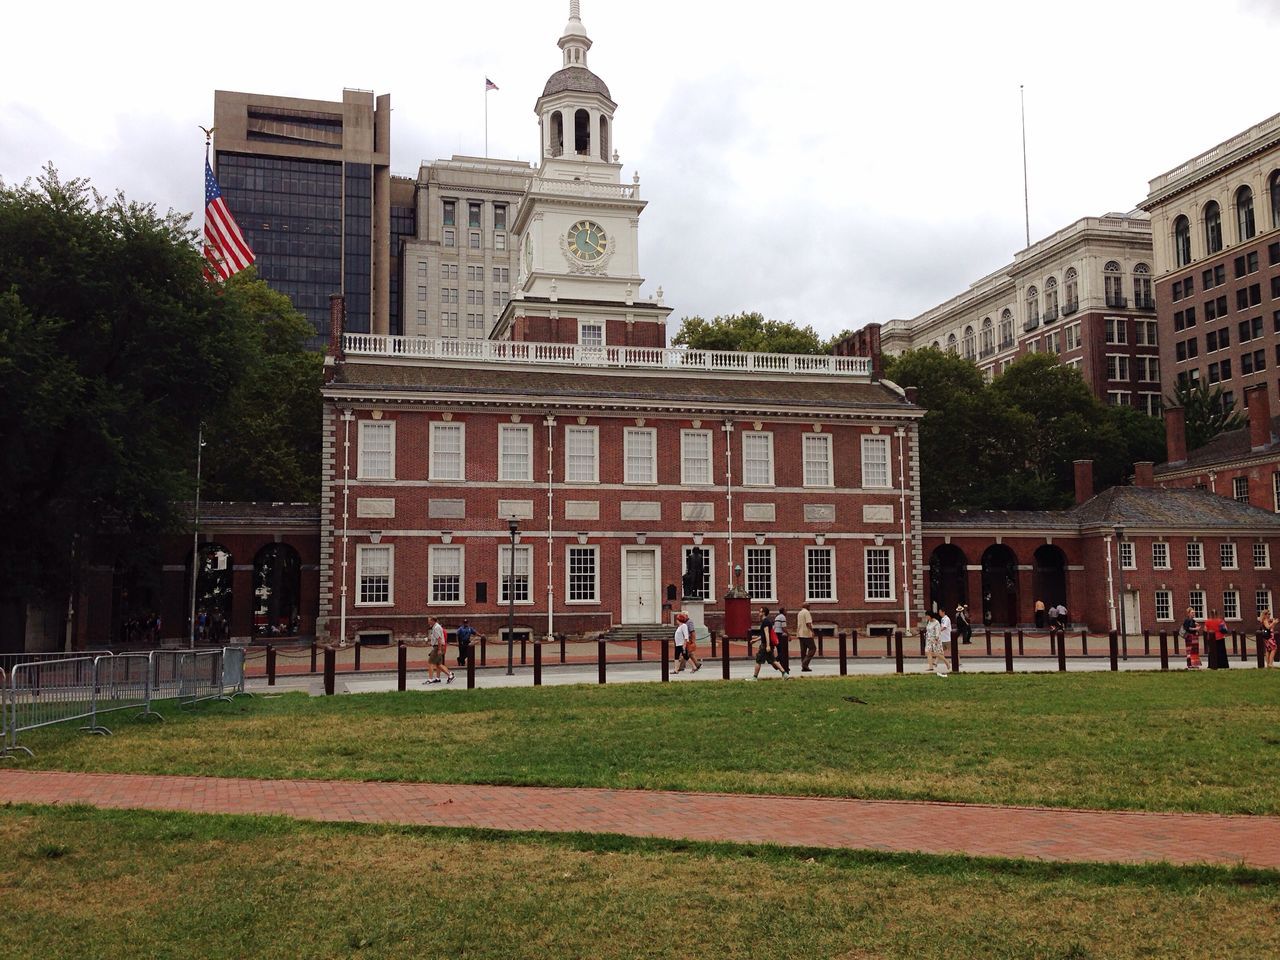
x=944, y=637
x=437, y=645
x=681, y=639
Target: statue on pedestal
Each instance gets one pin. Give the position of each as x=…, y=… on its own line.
x=695, y=569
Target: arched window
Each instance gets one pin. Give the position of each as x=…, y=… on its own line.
x=1182, y=241
x=935, y=345
x=1245, y=228
x=1006, y=329
x=1033, y=308
x=1212, y=227
x=1142, y=287
x=604, y=138
x=582, y=133
x=1113, y=284
x=968, y=345
x=1273, y=188
x=1072, y=291
x=1051, y=300
x=988, y=337
x=556, y=146
x=951, y=343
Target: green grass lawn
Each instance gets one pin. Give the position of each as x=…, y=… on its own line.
x=1177, y=741
x=82, y=883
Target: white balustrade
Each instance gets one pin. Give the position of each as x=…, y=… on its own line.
x=610, y=357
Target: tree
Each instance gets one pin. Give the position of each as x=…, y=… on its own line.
x=1209, y=413
x=113, y=348
x=749, y=332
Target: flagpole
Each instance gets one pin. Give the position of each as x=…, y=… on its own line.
x=195, y=534
x=486, y=118
x=1026, y=202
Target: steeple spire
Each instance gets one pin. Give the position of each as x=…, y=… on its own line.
x=574, y=42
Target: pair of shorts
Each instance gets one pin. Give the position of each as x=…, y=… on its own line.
x=765, y=654
x=435, y=657
x=680, y=654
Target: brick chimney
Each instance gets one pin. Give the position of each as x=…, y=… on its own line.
x=1084, y=480
x=913, y=394
x=1144, y=474
x=863, y=343
x=1175, y=434
x=1258, y=401
x=337, y=323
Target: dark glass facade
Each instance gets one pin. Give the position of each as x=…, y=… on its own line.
x=357, y=236
x=404, y=225
x=290, y=211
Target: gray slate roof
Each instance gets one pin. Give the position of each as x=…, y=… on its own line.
x=1136, y=507
x=575, y=80
x=1224, y=448
x=751, y=394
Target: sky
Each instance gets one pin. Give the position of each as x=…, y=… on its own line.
x=829, y=164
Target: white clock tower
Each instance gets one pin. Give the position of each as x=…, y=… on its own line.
x=578, y=225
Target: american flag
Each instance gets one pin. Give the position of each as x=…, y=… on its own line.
x=489, y=85
x=224, y=245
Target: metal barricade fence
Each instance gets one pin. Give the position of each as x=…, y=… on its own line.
x=49, y=692
x=120, y=683
x=233, y=672
x=200, y=677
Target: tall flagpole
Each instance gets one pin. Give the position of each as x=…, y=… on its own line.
x=195, y=535
x=1026, y=202
x=486, y=119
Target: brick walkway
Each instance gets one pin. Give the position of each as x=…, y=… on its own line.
x=1020, y=832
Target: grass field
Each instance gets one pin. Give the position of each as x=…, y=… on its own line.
x=1177, y=741
x=82, y=883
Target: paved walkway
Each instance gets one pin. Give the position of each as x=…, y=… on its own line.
x=1020, y=832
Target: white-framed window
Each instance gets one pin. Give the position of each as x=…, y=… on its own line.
x=515, y=452
x=704, y=592
x=1164, y=604
x=875, y=462
x=820, y=574
x=583, y=574
x=1262, y=556
x=1275, y=491
x=448, y=447
x=444, y=572
x=817, y=460
x=695, y=456
x=761, y=584
x=1227, y=556
x=1160, y=555
x=878, y=565
x=521, y=587
x=757, y=459
x=1230, y=604
x=582, y=455
x=1195, y=555
x=450, y=238
x=1240, y=489
x=1127, y=561
x=1261, y=601
x=375, y=564
x=640, y=455
x=1195, y=600
x=377, y=453
x=591, y=334
x=1117, y=366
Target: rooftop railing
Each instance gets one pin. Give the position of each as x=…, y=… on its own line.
x=623, y=358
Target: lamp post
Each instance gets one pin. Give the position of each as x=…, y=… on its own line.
x=514, y=527
x=1124, y=635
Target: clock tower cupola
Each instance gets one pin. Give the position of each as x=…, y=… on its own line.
x=575, y=111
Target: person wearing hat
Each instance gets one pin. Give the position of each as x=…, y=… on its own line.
x=465, y=635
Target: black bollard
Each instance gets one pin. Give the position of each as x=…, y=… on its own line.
x=1146, y=643
x=666, y=661
x=524, y=639
x=897, y=651
x=537, y=664
x=271, y=665
x=402, y=667
x=1008, y=651
x=471, y=669
x=561, y=637
x=600, y=655
x=1114, y=641
x=784, y=653
x=639, y=646
x=724, y=658
x=1084, y=643
x=1164, y=650
x=955, y=655
x=313, y=656
x=1062, y=658
x=484, y=651
x=330, y=664
x=713, y=645
x=988, y=643
x=844, y=654
x=1019, y=643
x=1261, y=652
x=357, y=646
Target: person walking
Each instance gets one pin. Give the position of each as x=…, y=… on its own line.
x=804, y=630
x=963, y=625
x=437, y=647
x=768, y=647
x=465, y=635
x=681, y=638
x=932, y=627
x=782, y=638
x=1040, y=615
x=1191, y=640
x=1215, y=642
x=1267, y=635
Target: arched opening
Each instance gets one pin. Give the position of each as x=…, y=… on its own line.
x=1142, y=287
x=988, y=337
x=1273, y=188
x=1006, y=329
x=135, y=599
x=213, y=593
x=951, y=343
x=999, y=586
x=936, y=345
x=277, y=591
x=1113, y=284
x=948, y=579
x=1033, y=308
x=1212, y=227
x=1182, y=241
x=1049, y=575
x=1051, y=300
x=604, y=138
x=582, y=133
x=1071, y=284
x=1245, y=227
x=970, y=351
x=557, y=134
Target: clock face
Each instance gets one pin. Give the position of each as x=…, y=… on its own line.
x=587, y=240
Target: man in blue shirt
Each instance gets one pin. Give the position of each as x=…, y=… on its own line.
x=464, y=634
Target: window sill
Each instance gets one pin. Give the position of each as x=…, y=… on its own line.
x=824, y=600
x=446, y=603
x=582, y=603
x=374, y=604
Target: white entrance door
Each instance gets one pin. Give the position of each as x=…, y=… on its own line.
x=639, y=586
x=1132, y=613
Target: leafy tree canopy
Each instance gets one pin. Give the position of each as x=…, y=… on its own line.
x=113, y=348
x=749, y=332
x=1208, y=412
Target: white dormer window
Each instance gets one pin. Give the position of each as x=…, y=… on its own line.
x=591, y=334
